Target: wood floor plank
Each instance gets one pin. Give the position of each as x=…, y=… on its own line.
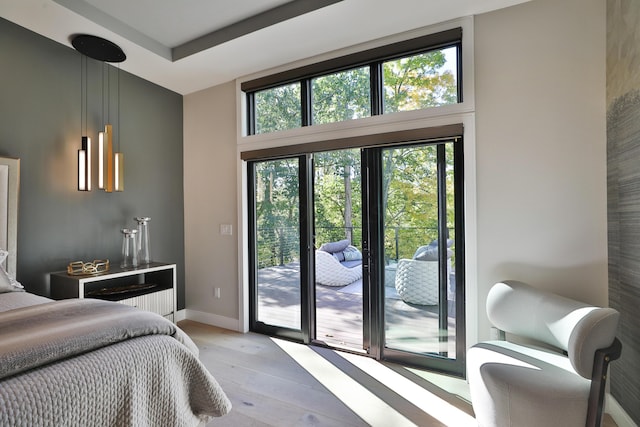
x=237, y=366
x=299, y=390
x=254, y=408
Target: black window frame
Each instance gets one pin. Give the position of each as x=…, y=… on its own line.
x=373, y=58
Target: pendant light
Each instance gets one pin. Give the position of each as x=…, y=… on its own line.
x=84, y=153
x=118, y=157
x=110, y=164
x=103, y=137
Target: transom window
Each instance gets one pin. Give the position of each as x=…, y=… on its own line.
x=415, y=74
x=345, y=95
x=421, y=81
x=278, y=108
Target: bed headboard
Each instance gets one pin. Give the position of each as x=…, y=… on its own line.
x=9, y=189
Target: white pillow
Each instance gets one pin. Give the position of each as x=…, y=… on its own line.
x=333, y=247
x=429, y=253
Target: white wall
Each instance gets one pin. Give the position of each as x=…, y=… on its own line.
x=540, y=163
x=210, y=200
x=541, y=148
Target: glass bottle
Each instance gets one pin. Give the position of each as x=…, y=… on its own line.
x=144, y=255
x=129, y=248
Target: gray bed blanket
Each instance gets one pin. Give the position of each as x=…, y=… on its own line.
x=44, y=333
x=97, y=365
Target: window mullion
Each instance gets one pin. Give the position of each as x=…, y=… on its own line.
x=305, y=102
x=377, y=88
x=251, y=114
x=459, y=70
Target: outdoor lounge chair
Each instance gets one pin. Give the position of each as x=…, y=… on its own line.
x=417, y=281
x=331, y=272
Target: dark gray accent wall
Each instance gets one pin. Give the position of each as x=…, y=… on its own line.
x=623, y=188
x=40, y=123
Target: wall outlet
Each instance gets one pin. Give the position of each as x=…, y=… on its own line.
x=216, y=292
x=226, y=229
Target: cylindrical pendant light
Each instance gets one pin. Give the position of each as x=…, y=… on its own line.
x=119, y=157
x=84, y=154
x=108, y=154
x=119, y=172
x=82, y=170
x=84, y=165
x=101, y=160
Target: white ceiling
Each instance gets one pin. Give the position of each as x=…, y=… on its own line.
x=152, y=32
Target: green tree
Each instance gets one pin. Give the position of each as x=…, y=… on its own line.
x=410, y=194
x=277, y=211
x=337, y=197
x=278, y=109
x=341, y=96
x=418, y=82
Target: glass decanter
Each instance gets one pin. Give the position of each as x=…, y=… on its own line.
x=129, y=248
x=144, y=255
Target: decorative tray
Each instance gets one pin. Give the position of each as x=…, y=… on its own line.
x=93, y=268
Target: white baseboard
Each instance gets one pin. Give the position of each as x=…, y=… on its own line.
x=213, y=319
x=619, y=415
x=180, y=315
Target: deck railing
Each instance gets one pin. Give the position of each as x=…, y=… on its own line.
x=280, y=245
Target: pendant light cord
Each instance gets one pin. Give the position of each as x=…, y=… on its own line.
x=118, y=107
x=82, y=78
x=108, y=94
x=102, y=79
x=86, y=96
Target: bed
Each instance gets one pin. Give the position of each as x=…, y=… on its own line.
x=91, y=362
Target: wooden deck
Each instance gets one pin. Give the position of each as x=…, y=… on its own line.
x=339, y=318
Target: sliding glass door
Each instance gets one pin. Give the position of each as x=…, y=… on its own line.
x=337, y=219
x=415, y=242
x=362, y=249
x=278, y=265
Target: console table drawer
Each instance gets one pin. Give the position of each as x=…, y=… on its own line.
x=160, y=302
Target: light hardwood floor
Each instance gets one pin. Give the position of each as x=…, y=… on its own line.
x=277, y=383
x=272, y=382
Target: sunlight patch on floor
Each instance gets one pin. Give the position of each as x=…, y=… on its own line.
x=431, y=404
x=456, y=386
x=373, y=410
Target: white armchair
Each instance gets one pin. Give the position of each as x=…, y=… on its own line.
x=521, y=383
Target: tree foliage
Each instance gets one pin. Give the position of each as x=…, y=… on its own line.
x=341, y=96
x=418, y=82
x=277, y=211
x=278, y=109
x=410, y=197
x=337, y=196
